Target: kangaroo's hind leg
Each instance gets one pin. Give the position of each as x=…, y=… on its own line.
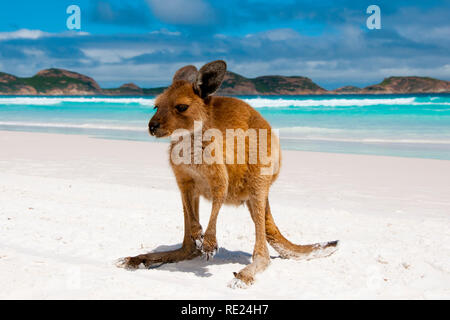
x=188, y=249
x=261, y=259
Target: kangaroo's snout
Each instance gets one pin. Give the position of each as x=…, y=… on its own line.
x=153, y=126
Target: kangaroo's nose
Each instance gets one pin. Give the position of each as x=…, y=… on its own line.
x=152, y=126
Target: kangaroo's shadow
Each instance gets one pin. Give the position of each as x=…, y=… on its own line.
x=199, y=266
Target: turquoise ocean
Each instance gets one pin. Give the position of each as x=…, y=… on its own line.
x=393, y=125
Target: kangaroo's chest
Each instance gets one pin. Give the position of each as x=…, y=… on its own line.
x=209, y=177
x=203, y=181
x=206, y=179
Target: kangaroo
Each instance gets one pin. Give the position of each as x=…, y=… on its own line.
x=190, y=99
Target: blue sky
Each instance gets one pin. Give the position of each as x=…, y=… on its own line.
x=145, y=41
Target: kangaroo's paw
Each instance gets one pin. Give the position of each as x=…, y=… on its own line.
x=209, y=246
x=198, y=240
x=237, y=284
x=241, y=280
x=210, y=254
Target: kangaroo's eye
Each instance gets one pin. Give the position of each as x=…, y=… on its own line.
x=181, y=107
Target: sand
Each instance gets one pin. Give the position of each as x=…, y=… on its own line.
x=71, y=205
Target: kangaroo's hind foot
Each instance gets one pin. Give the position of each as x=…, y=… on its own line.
x=154, y=258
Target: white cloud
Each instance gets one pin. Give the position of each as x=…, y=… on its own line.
x=281, y=34
x=23, y=34
x=35, y=53
x=113, y=55
x=37, y=34
x=166, y=32
x=73, y=34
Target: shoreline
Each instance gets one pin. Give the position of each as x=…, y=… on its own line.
x=234, y=95
x=283, y=148
x=71, y=205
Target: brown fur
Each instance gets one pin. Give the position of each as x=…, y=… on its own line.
x=220, y=183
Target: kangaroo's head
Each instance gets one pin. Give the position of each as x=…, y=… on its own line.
x=185, y=101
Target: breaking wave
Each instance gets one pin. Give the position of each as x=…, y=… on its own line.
x=94, y=126
x=264, y=102
x=254, y=102
x=45, y=101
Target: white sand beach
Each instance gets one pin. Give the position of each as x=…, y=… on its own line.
x=71, y=205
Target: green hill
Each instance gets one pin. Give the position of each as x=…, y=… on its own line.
x=64, y=82
x=49, y=82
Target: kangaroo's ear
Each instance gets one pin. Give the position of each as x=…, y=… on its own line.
x=187, y=73
x=210, y=78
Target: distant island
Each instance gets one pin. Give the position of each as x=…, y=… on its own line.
x=64, y=82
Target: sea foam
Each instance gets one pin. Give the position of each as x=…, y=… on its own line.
x=289, y=102
x=44, y=101
x=94, y=126
x=254, y=102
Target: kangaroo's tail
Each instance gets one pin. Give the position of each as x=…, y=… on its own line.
x=288, y=250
